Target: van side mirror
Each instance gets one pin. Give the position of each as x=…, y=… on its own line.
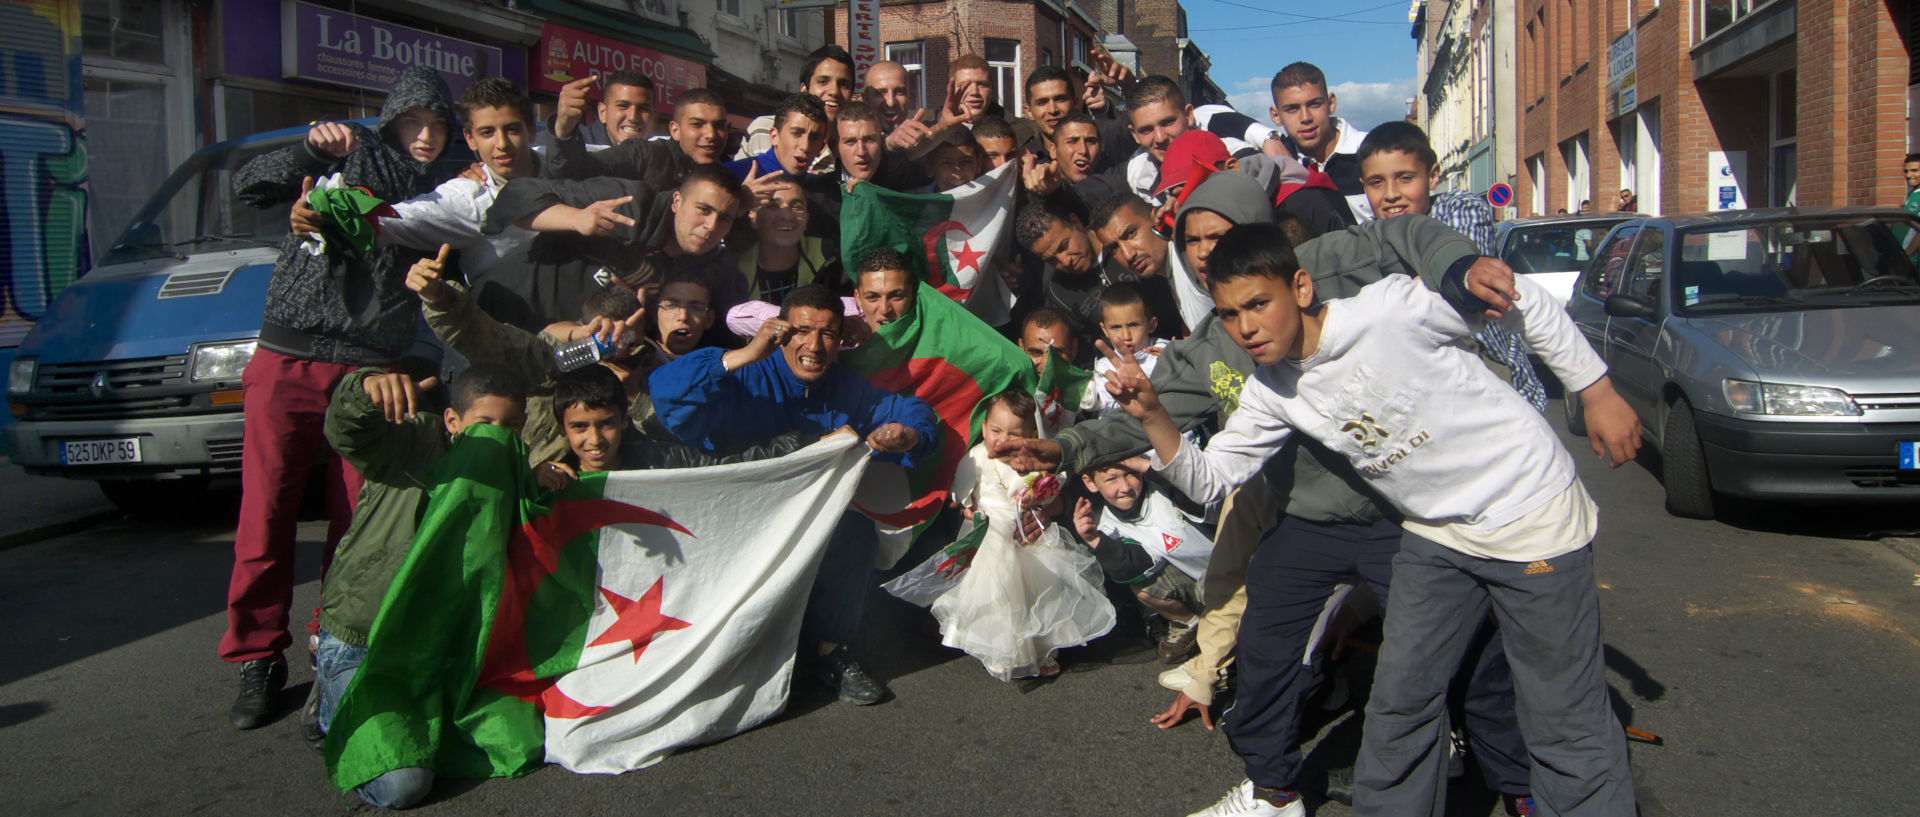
x=1621, y=305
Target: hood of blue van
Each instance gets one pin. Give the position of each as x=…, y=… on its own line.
x=155, y=308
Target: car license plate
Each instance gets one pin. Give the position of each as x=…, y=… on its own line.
x=1910, y=456
x=100, y=452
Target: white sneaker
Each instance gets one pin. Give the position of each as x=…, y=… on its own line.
x=1240, y=802
x=1176, y=679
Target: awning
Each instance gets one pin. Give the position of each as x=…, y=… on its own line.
x=673, y=40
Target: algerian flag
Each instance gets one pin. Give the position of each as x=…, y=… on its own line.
x=353, y=215
x=601, y=628
x=952, y=238
x=1058, y=393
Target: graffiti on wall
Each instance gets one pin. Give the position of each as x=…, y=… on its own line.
x=43, y=160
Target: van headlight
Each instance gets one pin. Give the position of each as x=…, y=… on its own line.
x=221, y=361
x=20, y=375
x=1786, y=399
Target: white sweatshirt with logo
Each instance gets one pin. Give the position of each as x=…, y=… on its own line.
x=1395, y=387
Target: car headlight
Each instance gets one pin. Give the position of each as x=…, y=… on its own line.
x=221, y=361
x=20, y=375
x=1789, y=400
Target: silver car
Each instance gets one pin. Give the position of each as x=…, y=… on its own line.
x=1771, y=353
x=1552, y=250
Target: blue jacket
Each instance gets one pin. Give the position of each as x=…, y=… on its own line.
x=769, y=166
x=707, y=406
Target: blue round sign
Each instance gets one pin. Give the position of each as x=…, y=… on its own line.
x=1500, y=195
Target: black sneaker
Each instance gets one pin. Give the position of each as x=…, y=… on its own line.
x=310, y=730
x=260, y=682
x=838, y=670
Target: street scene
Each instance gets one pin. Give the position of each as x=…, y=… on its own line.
x=1229, y=409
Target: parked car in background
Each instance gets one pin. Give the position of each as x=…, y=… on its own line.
x=1554, y=249
x=1772, y=354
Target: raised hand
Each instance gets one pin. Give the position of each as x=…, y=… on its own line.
x=1491, y=280
x=331, y=139
x=602, y=218
x=912, y=133
x=952, y=113
x=1027, y=454
x=1129, y=384
x=772, y=335
x=572, y=107
x=1041, y=178
x=396, y=395
x=1086, y=522
x=1094, y=96
x=425, y=277
x=303, y=220
x=761, y=186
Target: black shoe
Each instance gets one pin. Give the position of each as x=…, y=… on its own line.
x=1340, y=785
x=838, y=670
x=310, y=730
x=260, y=682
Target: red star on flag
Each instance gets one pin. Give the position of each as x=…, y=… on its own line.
x=967, y=257
x=1170, y=540
x=639, y=621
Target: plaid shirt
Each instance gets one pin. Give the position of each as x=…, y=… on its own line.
x=1473, y=217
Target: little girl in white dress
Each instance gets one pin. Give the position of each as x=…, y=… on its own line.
x=1007, y=603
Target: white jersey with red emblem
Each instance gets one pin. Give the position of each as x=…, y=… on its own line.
x=1164, y=531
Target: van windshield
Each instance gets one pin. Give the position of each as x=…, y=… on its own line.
x=196, y=211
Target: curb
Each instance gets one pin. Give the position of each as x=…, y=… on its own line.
x=57, y=529
x=1905, y=546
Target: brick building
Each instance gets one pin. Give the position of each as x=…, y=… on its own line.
x=1150, y=36
x=926, y=36
x=1710, y=104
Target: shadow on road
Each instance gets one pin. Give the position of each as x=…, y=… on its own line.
x=1837, y=520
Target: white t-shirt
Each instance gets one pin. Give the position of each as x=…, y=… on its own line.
x=1165, y=532
x=1394, y=387
x=452, y=214
x=1103, y=403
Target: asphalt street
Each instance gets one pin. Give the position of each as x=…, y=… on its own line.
x=1776, y=656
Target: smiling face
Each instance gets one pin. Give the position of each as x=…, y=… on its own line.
x=594, y=435
x=1912, y=171
x=681, y=316
x=627, y=112
x=888, y=93
x=502, y=139
x=1048, y=103
x=1036, y=340
x=1156, y=124
x=488, y=410
x=1002, y=424
x=1130, y=237
x=1397, y=183
x=1263, y=314
x=832, y=84
x=1076, y=149
x=976, y=90
x=1305, y=112
x=1115, y=484
x=701, y=131
x=884, y=295
x=421, y=132
x=1203, y=229
x=703, y=212
x=814, y=343
x=1066, y=246
x=859, y=147
x=798, y=140
x=1128, y=327
x=781, y=218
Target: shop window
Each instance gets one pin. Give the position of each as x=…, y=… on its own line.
x=912, y=57
x=124, y=30
x=122, y=118
x=1003, y=62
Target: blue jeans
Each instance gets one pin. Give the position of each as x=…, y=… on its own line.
x=339, y=662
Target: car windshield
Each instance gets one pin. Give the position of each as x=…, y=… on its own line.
x=1558, y=247
x=195, y=211
x=1797, y=263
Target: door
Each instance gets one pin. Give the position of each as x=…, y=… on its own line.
x=1633, y=342
x=1602, y=277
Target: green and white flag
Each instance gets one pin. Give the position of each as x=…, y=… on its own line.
x=601, y=628
x=953, y=239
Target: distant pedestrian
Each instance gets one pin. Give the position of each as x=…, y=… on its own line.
x=1629, y=202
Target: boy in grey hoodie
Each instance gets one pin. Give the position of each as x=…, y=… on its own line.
x=326, y=314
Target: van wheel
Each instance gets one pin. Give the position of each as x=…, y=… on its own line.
x=156, y=499
x=1576, y=415
x=1683, y=465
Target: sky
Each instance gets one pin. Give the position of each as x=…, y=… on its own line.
x=1367, y=52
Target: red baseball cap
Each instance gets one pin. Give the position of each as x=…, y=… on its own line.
x=1191, y=158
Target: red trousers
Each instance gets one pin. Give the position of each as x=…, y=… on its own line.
x=286, y=410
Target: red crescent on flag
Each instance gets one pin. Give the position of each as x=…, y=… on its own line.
x=936, y=275
x=952, y=394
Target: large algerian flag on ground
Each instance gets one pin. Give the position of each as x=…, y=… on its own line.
x=953, y=238
x=599, y=628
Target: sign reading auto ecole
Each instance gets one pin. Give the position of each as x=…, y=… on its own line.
x=566, y=54
x=328, y=45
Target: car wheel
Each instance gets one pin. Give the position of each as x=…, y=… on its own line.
x=1576, y=415
x=1683, y=465
x=156, y=499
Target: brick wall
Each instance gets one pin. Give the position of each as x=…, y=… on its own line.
x=952, y=29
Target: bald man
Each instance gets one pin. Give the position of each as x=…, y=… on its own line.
x=889, y=94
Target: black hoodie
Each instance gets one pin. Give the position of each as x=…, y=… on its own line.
x=340, y=307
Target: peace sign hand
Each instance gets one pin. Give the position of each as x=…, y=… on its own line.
x=1129, y=384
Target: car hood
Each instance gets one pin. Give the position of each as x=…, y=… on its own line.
x=154, y=308
x=1859, y=349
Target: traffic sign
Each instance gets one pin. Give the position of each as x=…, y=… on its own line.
x=1500, y=195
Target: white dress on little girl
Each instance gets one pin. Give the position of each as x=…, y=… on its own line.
x=1016, y=604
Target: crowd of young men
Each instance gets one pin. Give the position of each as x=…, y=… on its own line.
x=709, y=259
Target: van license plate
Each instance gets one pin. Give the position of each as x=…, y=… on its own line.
x=100, y=452
x=1910, y=456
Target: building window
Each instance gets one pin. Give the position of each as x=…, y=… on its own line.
x=657, y=8
x=1716, y=16
x=912, y=57
x=787, y=22
x=123, y=29
x=1646, y=158
x=1579, y=181
x=729, y=7
x=1046, y=56
x=1782, y=172
x=1003, y=61
x=1537, y=176
x=1080, y=50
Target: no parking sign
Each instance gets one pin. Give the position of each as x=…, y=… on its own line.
x=1500, y=195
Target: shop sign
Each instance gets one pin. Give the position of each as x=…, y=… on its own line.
x=1727, y=180
x=1623, y=82
x=566, y=54
x=863, y=36
x=328, y=45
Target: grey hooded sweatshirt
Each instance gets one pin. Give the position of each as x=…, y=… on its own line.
x=1202, y=375
x=340, y=307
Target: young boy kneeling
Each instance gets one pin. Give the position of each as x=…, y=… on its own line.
x=1143, y=538
x=1497, y=519
x=376, y=424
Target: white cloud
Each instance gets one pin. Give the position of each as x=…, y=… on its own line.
x=1364, y=104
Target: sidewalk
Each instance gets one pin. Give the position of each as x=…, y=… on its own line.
x=48, y=506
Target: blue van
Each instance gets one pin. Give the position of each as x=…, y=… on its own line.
x=132, y=377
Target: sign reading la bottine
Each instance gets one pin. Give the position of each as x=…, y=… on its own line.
x=566, y=54
x=327, y=45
